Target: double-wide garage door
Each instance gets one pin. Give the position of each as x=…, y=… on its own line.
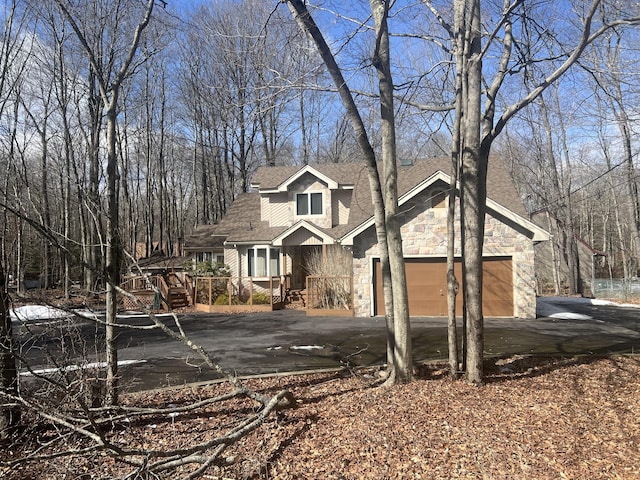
x=427, y=287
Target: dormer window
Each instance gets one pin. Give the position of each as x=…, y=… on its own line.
x=309, y=203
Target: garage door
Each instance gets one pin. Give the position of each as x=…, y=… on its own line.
x=427, y=286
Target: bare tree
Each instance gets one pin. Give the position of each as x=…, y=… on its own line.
x=11, y=48
x=9, y=409
x=482, y=125
x=399, y=352
x=109, y=79
x=607, y=66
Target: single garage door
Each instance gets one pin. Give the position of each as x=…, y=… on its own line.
x=427, y=287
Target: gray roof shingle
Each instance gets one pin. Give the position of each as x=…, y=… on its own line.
x=242, y=222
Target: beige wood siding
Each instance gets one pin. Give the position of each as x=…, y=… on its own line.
x=279, y=210
x=302, y=236
x=265, y=208
x=309, y=184
x=231, y=259
x=340, y=205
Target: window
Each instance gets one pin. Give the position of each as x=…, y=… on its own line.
x=309, y=203
x=203, y=257
x=209, y=257
x=263, y=261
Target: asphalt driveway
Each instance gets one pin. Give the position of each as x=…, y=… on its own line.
x=288, y=340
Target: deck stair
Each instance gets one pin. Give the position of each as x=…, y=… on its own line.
x=296, y=298
x=177, y=295
x=150, y=291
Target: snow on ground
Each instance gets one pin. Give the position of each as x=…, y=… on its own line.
x=559, y=307
x=30, y=313
x=551, y=307
x=73, y=368
x=33, y=313
x=597, y=301
x=141, y=315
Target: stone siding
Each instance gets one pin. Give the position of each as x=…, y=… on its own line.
x=424, y=234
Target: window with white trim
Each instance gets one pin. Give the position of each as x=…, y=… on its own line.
x=263, y=261
x=209, y=257
x=309, y=203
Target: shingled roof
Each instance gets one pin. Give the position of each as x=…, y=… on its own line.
x=203, y=238
x=242, y=222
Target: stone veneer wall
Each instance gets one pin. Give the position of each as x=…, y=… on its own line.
x=424, y=234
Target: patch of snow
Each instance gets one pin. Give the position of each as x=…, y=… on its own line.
x=30, y=313
x=73, y=368
x=550, y=307
x=306, y=347
x=597, y=301
x=569, y=316
x=86, y=313
x=628, y=305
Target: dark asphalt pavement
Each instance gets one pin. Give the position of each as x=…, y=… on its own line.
x=288, y=340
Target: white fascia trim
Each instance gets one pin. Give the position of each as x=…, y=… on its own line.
x=348, y=238
x=234, y=244
x=327, y=239
x=539, y=234
x=283, y=187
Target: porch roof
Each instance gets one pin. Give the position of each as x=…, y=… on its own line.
x=203, y=238
x=324, y=235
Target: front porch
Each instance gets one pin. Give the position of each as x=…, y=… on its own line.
x=237, y=294
x=319, y=295
x=321, y=276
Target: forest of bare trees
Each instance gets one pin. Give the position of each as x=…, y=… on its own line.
x=125, y=124
x=215, y=91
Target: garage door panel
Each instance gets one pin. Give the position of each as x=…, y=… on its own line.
x=497, y=288
x=427, y=287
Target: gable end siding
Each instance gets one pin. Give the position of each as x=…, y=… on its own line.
x=302, y=236
x=310, y=184
x=279, y=213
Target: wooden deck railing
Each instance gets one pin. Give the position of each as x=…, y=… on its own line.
x=145, y=288
x=237, y=293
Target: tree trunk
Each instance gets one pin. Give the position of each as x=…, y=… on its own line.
x=453, y=285
x=113, y=258
x=9, y=411
x=91, y=245
x=303, y=18
x=403, y=356
x=473, y=199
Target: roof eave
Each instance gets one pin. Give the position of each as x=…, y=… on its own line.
x=326, y=238
x=538, y=233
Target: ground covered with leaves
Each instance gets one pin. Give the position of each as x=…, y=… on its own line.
x=535, y=418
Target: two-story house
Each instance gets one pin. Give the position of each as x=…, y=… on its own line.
x=295, y=210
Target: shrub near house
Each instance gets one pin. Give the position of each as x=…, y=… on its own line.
x=296, y=214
